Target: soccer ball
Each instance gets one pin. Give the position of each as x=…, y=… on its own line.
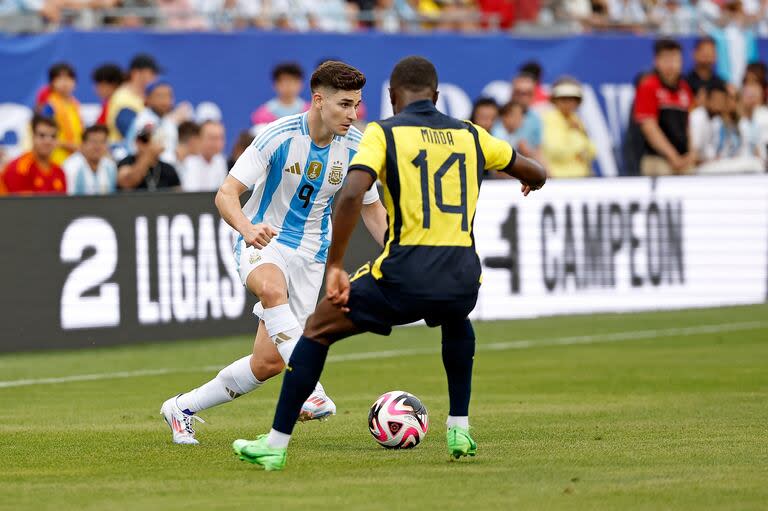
x=398, y=420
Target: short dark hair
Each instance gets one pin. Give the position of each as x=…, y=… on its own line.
x=287, y=68
x=532, y=68
x=415, y=74
x=108, y=73
x=337, y=75
x=716, y=87
x=508, y=107
x=662, y=45
x=96, y=128
x=701, y=41
x=481, y=102
x=187, y=130
x=59, y=69
x=144, y=61
x=41, y=120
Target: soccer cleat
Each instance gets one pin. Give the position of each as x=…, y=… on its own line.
x=460, y=443
x=179, y=422
x=259, y=453
x=318, y=406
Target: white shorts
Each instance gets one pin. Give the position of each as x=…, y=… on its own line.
x=303, y=275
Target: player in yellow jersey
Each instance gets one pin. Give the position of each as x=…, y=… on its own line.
x=430, y=166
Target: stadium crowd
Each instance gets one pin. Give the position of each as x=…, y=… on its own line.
x=681, y=123
x=671, y=17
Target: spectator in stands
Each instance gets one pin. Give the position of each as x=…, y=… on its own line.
x=485, y=113
x=128, y=100
x=735, y=41
x=675, y=17
x=512, y=116
x=566, y=146
x=661, y=108
x=188, y=142
x=206, y=171
x=703, y=75
x=61, y=106
x=287, y=81
x=540, y=94
x=706, y=123
x=244, y=139
x=107, y=78
x=155, y=117
x=756, y=73
x=755, y=120
x=627, y=12
x=34, y=172
x=144, y=170
x=91, y=171
x=523, y=92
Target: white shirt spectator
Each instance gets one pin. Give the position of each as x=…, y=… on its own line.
x=756, y=132
x=199, y=175
x=704, y=133
x=164, y=131
x=627, y=11
x=82, y=180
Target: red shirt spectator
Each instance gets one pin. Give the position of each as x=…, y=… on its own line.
x=34, y=172
x=504, y=9
x=668, y=105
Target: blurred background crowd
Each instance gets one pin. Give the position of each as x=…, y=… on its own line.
x=710, y=118
x=675, y=17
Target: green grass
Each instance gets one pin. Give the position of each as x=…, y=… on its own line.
x=667, y=422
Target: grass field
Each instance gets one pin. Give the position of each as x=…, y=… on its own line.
x=645, y=411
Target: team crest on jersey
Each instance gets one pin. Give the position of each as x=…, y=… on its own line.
x=334, y=177
x=315, y=168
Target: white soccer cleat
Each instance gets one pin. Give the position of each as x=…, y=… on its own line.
x=318, y=406
x=179, y=422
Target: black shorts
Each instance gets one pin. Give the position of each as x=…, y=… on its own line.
x=376, y=307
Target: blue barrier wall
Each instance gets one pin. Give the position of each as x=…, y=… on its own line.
x=233, y=70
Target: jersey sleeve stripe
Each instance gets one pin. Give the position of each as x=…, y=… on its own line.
x=272, y=129
x=364, y=168
x=287, y=129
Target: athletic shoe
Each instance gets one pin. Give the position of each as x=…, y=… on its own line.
x=179, y=422
x=460, y=443
x=318, y=406
x=259, y=453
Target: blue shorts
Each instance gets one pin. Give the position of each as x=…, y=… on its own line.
x=376, y=307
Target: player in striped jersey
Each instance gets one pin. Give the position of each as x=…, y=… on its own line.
x=295, y=167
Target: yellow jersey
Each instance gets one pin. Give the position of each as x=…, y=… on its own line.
x=430, y=166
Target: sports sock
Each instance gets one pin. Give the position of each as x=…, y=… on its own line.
x=458, y=356
x=233, y=381
x=301, y=376
x=277, y=440
x=283, y=329
x=462, y=422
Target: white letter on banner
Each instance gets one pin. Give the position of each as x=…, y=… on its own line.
x=149, y=311
x=207, y=270
x=183, y=291
x=102, y=310
x=232, y=291
x=163, y=269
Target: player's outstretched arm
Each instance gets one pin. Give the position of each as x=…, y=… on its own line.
x=530, y=173
x=228, y=203
x=375, y=219
x=348, y=206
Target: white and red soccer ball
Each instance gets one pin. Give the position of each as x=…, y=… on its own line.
x=398, y=420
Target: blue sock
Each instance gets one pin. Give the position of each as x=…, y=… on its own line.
x=458, y=356
x=301, y=376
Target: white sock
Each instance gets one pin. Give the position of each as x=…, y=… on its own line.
x=233, y=381
x=277, y=440
x=283, y=329
x=462, y=422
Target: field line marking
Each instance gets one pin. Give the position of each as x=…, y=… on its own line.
x=493, y=346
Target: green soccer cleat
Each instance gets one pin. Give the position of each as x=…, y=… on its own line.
x=259, y=453
x=460, y=443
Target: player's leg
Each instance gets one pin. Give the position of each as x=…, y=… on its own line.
x=327, y=325
x=458, y=356
x=261, y=272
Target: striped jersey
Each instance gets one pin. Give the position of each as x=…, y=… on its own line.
x=294, y=182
